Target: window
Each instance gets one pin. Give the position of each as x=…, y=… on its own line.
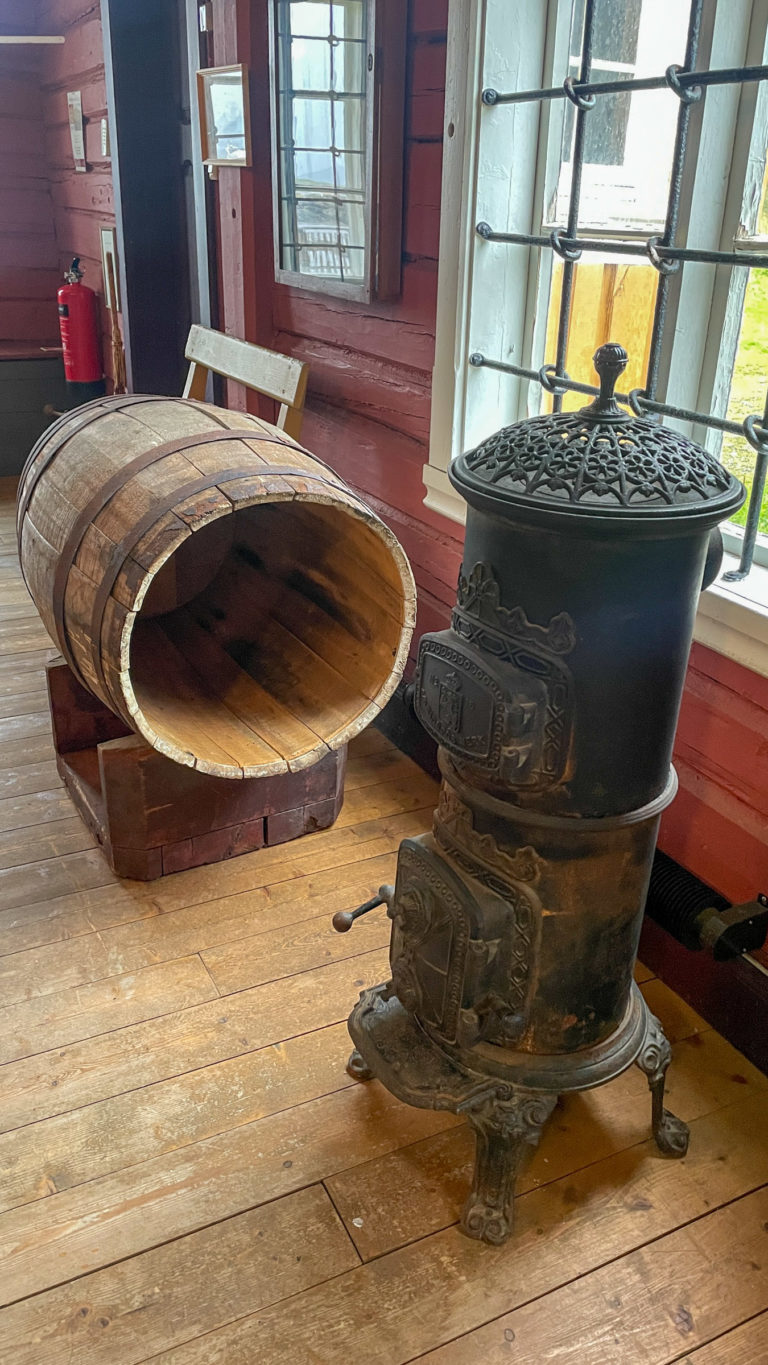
x=337, y=134
x=558, y=203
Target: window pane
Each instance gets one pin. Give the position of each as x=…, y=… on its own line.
x=614, y=29
x=349, y=125
x=312, y=171
x=762, y=217
x=611, y=301
x=348, y=60
x=313, y=17
x=629, y=139
x=311, y=63
x=348, y=19
x=748, y=386
x=322, y=78
x=312, y=123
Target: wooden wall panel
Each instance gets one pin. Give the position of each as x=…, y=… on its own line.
x=368, y=404
x=718, y=825
x=368, y=416
x=82, y=203
x=28, y=257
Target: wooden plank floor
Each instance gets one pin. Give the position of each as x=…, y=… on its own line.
x=188, y=1175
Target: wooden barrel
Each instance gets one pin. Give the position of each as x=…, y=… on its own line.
x=212, y=582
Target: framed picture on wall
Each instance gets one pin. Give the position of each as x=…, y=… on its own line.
x=225, y=124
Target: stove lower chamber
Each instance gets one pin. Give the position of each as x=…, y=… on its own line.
x=554, y=698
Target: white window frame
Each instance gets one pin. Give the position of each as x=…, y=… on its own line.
x=733, y=618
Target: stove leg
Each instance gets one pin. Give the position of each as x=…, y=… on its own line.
x=504, y=1129
x=671, y=1133
x=358, y=1068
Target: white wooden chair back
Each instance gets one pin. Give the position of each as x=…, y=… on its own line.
x=276, y=376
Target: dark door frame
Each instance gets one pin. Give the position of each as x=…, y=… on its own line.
x=143, y=60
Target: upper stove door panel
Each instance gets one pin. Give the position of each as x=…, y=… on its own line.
x=506, y=708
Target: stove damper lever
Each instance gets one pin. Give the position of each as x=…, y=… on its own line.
x=344, y=919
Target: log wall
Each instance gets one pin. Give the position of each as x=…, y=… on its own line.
x=82, y=203
x=28, y=256
x=370, y=379
x=368, y=416
x=370, y=364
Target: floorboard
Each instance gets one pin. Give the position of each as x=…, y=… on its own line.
x=188, y=1176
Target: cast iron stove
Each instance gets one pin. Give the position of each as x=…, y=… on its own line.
x=554, y=698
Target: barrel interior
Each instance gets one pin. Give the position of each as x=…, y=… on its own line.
x=266, y=637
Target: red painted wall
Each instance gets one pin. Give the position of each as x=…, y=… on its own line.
x=81, y=202
x=718, y=825
x=371, y=365
x=28, y=258
x=368, y=415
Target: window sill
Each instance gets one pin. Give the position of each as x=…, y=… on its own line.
x=441, y=496
x=732, y=618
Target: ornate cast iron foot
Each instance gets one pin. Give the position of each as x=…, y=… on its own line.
x=504, y=1128
x=358, y=1068
x=671, y=1133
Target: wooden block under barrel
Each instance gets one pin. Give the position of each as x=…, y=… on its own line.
x=153, y=816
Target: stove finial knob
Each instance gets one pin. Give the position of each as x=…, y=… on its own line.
x=610, y=361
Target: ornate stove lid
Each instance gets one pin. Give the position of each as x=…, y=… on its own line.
x=599, y=462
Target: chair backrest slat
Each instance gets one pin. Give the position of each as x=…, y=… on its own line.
x=276, y=376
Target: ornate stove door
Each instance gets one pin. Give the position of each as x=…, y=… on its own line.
x=462, y=955
x=495, y=690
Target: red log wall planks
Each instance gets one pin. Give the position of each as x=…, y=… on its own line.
x=368, y=415
x=718, y=825
x=371, y=365
x=82, y=203
x=28, y=259
x=370, y=384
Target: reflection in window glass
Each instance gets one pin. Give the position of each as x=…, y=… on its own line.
x=629, y=139
x=748, y=383
x=628, y=148
x=226, y=116
x=761, y=229
x=613, y=300
x=322, y=75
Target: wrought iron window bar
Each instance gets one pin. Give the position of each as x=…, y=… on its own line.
x=665, y=255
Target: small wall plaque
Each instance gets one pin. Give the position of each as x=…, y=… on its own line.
x=76, y=128
x=108, y=237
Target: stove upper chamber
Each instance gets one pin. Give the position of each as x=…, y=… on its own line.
x=559, y=681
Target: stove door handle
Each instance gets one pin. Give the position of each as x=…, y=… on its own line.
x=344, y=919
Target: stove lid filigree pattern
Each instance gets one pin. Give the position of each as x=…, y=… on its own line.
x=600, y=462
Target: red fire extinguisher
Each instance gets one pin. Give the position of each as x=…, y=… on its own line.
x=79, y=327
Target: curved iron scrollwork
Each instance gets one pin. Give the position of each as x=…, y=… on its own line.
x=454, y=829
x=479, y=593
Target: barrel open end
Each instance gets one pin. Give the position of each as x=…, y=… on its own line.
x=270, y=637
